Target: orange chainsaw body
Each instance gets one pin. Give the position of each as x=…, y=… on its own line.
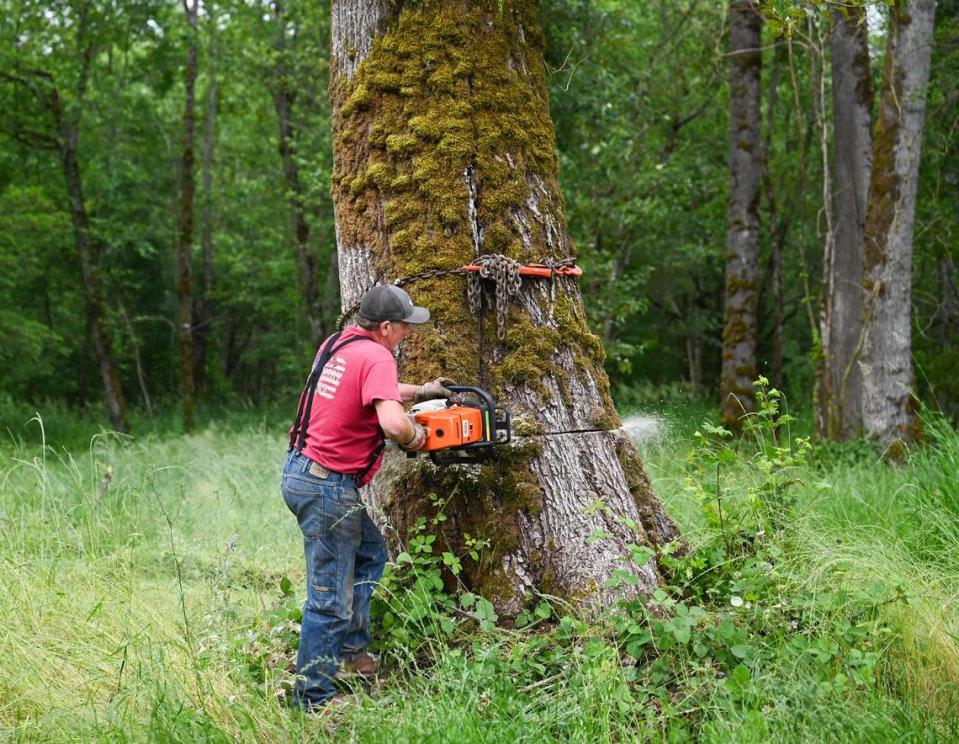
x=455, y=426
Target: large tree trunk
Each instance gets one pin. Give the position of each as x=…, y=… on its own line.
x=444, y=151
x=184, y=251
x=887, y=408
x=284, y=96
x=742, y=237
x=839, y=409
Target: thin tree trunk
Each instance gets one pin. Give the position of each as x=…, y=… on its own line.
x=777, y=225
x=948, y=318
x=694, y=356
x=776, y=361
x=67, y=123
x=90, y=271
x=141, y=374
x=948, y=310
x=840, y=400
x=184, y=252
x=444, y=151
x=887, y=409
x=204, y=311
x=284, y=97
x=742, y=239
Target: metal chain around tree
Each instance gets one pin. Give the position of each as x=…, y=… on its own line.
x=506, y=275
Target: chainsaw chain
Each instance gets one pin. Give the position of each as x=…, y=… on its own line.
x=503, y=271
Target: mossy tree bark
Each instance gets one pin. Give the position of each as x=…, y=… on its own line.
x=839, y=409
x=742, y=235
x=444, y=151
x=888, y=383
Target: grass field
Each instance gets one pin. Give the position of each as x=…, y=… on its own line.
x=148, y=591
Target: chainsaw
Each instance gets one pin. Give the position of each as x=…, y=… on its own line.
x=462, y=430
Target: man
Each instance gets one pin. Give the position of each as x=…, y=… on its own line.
x=351, y=401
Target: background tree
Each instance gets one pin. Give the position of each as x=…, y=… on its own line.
x=639, y=107
x=839, y=412
x=184, y=250
x=444, y=153
x=203, y=307
x=741, y=297
x=888, y=413
x=936, y=301
x=57, y=91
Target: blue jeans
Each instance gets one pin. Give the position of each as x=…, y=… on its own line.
x=345, y=556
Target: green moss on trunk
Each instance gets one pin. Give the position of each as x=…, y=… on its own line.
x=485, y=505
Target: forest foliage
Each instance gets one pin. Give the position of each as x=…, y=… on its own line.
x=640, y=105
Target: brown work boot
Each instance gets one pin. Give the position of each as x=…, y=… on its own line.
x=362, y=665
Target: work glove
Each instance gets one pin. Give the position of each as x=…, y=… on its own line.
x=417, y=441
x=433, y=390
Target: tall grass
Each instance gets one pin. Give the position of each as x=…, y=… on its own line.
x=140, y=580
x=861, y=522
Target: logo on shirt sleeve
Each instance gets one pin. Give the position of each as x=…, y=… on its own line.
x=329, y=381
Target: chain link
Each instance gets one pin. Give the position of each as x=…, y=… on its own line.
x=504, y=273
x=501, y=270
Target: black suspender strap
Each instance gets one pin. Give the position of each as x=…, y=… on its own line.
x=373, y=458
x=307, y=395
x=302, y=422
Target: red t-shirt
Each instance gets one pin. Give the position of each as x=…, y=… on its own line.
x=344, y=430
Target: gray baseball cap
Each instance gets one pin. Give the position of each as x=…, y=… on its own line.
x=389, y=302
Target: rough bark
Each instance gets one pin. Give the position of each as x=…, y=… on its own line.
x=839, y=410
x=742, y=237
x=887, y=371
x=284, y=97
x=184, y=245
x=443, y=151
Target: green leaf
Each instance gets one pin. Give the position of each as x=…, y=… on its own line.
x=681, y=633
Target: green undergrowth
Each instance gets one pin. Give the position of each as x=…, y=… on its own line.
x=150, y=589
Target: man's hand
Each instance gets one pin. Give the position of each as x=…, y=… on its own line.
x=418, y=439
x=433, y=390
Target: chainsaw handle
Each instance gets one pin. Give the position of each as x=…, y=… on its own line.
x=478, y=392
